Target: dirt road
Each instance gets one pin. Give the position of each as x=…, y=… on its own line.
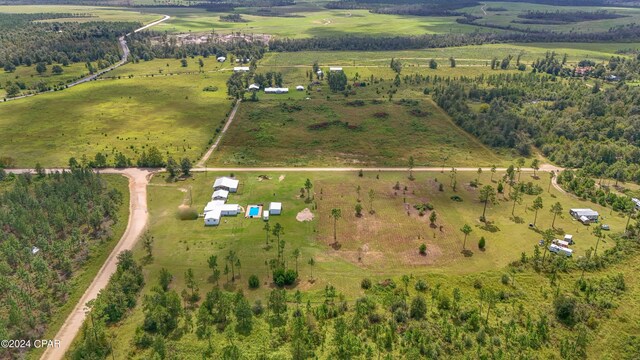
x=232, y=115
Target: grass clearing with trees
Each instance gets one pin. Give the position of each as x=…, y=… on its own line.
x=378, y=246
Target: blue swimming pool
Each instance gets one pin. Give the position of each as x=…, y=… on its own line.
x=254, y=211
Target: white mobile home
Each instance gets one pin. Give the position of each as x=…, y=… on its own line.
x=335, y=68
x=226, y=183
x=584, y=215
x=254, y=87
x=275, y=208
x=221, y=59
x=229, y=209
x=560, y=250
x=240, y=69
x=276, y=90
x=212, y=205
x=220, y=195
x=212, y=218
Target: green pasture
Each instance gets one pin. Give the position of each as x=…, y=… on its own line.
x=506, y=18
x=379, y=246
x=128, y=115
x=267, y=133
x=306, y=23
x=30, y=77
x=94, y=13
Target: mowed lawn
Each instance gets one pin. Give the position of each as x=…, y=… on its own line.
x=379, y=133
x=128, y=115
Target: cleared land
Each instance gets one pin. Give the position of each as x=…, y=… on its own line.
x=386, y=242
x=305, y=23
x=320, y=132
x=28, y=76
x=129, y=115
x=93, y=13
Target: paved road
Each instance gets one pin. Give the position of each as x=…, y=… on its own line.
x=123, y=60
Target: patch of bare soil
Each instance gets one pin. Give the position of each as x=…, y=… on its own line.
x=281, y=178
x=304, y=215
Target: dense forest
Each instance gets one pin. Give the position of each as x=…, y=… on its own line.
x=574, y=125
x=25, y=42
x=48, y=226
x=564, y=17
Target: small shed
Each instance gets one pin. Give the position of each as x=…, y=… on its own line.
x=254, y=87
x=212, y=218
x=275, y=208
x=226, y=183
x=568, y=238
x=221, y=59
x=300, y=88
x=335, y=68
x=265, y=215
x=220, y=195
x=240, y=69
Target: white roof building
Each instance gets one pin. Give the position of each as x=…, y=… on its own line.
x=221, y=59
x=35, y=250
x=241, y=69
x=212, y=205
x=212, y=218
x=637, y=202
x=335, y=68
x=220, y=195
x=226, y=183
x=254, y=87
x=275, y=208
x=584, y=213
x=300, y=88
x=276, y=90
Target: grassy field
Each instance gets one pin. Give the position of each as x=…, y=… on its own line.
x=30, y=77
x=506, y=18
x=98, y=255
x=311, y=22
x=129, y=114
x=94, y=13
x=379, y=246
x=266, y=133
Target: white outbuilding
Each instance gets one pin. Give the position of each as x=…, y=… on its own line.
x=226, y=183
x=276, y=90
x=212, y=218
x=254, y=87
x=265, y=215
x=221, y=59
x=584, y=215
x=35, y=250
x=229, y=209
x=275, y=208
x=220, y=195
x=241, y=69
x=335, y=68
x=300, y=88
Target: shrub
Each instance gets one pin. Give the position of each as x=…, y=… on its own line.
x=505, y=279
x=481, y=243
x=254, y=282
x=565, y=309
x=423, y=249
x=283, y=277
x=365, y=284
x=440, y=187
x=456, y=198
x=477, y=283
x=210, y=88
x=257, y=308
x=421, y=285
x=418, y=309
x=187, y=213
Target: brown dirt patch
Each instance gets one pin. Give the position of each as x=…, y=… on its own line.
x=304, y=215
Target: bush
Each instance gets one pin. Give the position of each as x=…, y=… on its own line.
x=254, y=282
x=257, y=308
x=423, y=249
x=282, y=277
x=456, y=198
x=365, y=284
x=477, y=283
x=421, y=285
x=481, y=243
x=505, y=279
x=187, y=213
x=565, y=309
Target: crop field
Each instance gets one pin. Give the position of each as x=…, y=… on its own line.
x=379, y=246
x=303, y=24
x=506, y=18
x=94, y=13
x=128, y=115
x=320, y=133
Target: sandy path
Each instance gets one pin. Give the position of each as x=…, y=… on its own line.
x=206, y=156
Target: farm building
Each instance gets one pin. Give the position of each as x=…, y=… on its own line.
x=221, y=59
x=276, y=90
x=335, y=68
x=585, y=216
x=226, y=183
x=240, y=69
x=636, y=202
x=220, y=195
x=275, y=208
x=212, y=218
x=254, y=87
x=300, y=88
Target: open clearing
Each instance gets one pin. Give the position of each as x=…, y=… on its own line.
x=94, y=13
x=320, y=133
x=129, y=115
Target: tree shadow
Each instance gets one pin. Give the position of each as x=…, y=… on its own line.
x=558, y=231
x=517, y=219
x=467, y=253
x=433, y=226
x=490, y=227
x=336, y=246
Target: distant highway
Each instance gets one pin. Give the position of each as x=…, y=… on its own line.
x=123, y=60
